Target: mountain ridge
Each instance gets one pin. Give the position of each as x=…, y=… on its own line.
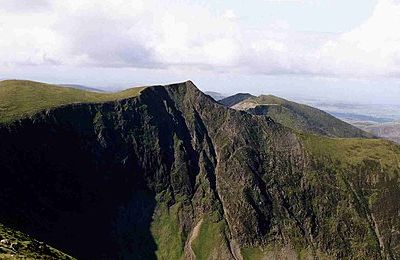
x=299, y=117
x=19, y=98
x=134, y=177
x=81, y=87
x=235, y=99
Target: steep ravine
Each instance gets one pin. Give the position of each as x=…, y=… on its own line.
x=131, y=179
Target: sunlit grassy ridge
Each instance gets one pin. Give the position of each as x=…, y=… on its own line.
x=352, y=151
x=19, y=98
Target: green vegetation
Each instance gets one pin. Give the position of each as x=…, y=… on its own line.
x=361, y=177
x=17, y=245
x=252, y=253
x=167, y=234
x=210, y=239
x=353, y=151
x=19, y=98
x=280, y=252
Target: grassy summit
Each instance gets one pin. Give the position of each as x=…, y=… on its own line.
x=19, y=98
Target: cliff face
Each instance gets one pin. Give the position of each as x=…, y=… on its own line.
x=172, y=174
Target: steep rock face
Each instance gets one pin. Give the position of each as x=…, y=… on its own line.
x=135, y=179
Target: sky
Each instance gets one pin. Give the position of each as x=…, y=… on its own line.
x=339, y=50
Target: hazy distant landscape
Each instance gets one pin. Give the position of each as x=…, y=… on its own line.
x=379, y=119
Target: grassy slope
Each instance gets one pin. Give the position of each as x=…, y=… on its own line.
x=276, y=252
x=367, y=175
x=300, y=117
x=359, y=184
x=19, y=98
x=211, y=241
x=353, y=151
x=167, y=234
x=28, y=247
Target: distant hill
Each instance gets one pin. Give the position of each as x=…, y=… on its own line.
x=82, y=87
x=235, y=99
x=215, y=95
x=299, y=117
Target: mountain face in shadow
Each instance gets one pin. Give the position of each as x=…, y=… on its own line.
x=172, y=174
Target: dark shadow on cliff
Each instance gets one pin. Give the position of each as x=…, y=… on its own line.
x=62, y=187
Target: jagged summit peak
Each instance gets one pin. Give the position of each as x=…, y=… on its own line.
x=185, y=84
x=185, y=89
x=189, y=82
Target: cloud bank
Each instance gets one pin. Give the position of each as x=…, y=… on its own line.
x=180, y=35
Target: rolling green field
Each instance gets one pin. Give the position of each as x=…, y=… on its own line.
x=19, y=98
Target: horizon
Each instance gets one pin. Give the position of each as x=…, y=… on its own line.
x=326, y=50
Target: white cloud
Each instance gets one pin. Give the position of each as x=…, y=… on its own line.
x=176, y=34
x=28, y=39
x=373, y=48
x=21, y=6
x=230, y=14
